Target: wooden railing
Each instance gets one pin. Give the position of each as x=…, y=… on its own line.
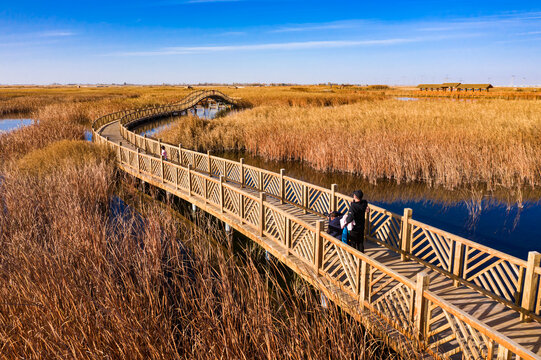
x=437, y=326
x=496, y=274
x=405, y=305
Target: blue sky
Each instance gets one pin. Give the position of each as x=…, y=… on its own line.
x=191, y=41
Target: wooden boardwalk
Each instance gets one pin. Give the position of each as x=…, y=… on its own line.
x=414, y=288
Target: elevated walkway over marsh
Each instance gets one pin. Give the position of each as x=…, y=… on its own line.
x=417, y=287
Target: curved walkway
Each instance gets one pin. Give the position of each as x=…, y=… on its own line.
x=405, y=302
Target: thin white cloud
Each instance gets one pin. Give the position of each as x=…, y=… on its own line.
x=305, y=45
x=314, y=27
x=483, y=21
x=232, y=33
x=530, y=33
x=55, y=33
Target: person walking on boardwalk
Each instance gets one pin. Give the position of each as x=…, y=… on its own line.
x=356, y=214
x=164, y=153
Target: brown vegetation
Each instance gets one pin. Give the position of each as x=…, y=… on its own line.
x=446, y=142
x=76, y=281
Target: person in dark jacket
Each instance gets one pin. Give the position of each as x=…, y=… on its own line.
x=356, y=213
x=334, y=224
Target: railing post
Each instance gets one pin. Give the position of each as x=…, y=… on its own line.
x=190, y=179
x=208, y=163
x=161, y=165
x=420, y=309
x=305, y=198
x=205, y=188
x=180, y=154
x=282, y=186
x=261, y=186
x=288, y=234
x=159, y=147
x=145, y=141
x=530, y=285
x=261, y=213
x=138, y=162
x=503, y=353
x=241, y=208
x=458, y=266
x=367, y=222
x=241, y=161
x=332, y=198
x=405, y=236
x=364, y=282
x=176, y=177
x=221, y=193
x=318, y=246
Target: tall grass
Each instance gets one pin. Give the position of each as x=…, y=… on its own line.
x=495, y=142
x=77, y=283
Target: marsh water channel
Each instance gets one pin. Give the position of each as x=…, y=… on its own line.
x=508, y=220
x=9, y=124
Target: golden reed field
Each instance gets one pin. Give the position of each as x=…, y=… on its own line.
x=449, y=142
x=78, y=281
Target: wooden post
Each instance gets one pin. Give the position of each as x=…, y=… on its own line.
x=288, y=233
x=520, y=285
x=161, y=165
x=282, y=186
x=120, y=151
x=367, y=222
x=421, y=305
x=261, y=185
x=531, y=281
x=364, y=283
x=138, y=162
x=305, y=198
x=332, y=198
x=205, y=188
x=241, y=208
x=145, y=142
x=405, y=236
x=221, y=193
x=190, y=179
x=180, y=154
x=159, y=147
x=261, y=213
x=241, y=172
x=176, y=177
x=503, y=353
x=318, y=246
x=458, y=266
x=208, y=163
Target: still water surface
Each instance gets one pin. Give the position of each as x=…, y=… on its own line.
x=12, y=124
x=507, y=220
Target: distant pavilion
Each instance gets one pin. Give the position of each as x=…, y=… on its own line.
x=454, y=87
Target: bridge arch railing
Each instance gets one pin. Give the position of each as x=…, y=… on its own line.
x=429, y=321
x=509, y=280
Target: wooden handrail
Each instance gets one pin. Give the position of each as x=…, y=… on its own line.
x=355, y=266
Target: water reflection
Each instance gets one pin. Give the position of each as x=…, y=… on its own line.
x=507, y=220
x=504, y=219
x=7, y=125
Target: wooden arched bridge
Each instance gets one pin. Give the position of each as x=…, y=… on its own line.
x=416, y=286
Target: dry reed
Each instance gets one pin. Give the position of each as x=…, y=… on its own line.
x=451, y=143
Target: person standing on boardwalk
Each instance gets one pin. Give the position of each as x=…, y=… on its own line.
x=164, y=153
x=356, y=214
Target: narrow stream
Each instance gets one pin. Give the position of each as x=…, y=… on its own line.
x=7, y=125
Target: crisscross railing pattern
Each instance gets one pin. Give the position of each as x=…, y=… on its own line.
x=486, y=270
x=406, y=305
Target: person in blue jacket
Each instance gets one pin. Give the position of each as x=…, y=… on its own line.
x=334, y=224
